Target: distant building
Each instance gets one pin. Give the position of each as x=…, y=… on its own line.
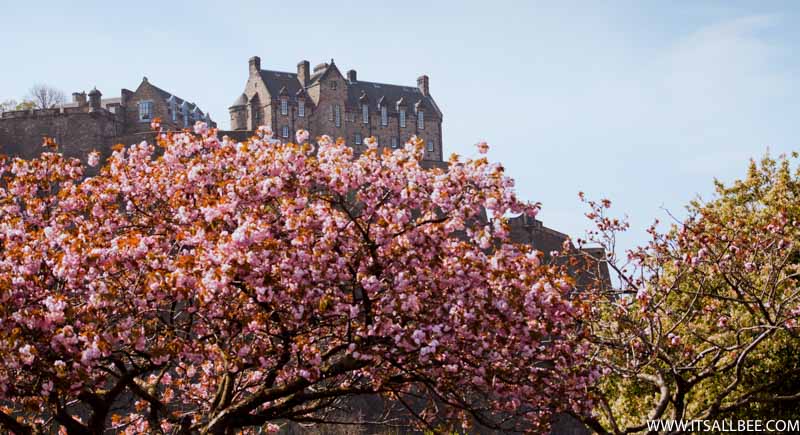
x=323, y=101
x=91, y=122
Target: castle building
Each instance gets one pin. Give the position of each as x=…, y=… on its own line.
x=323, y=101
x=91, y=122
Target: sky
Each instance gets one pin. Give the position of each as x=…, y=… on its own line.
x=644, y=103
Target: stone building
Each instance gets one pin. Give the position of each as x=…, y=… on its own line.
x=323, y=101
x=91, y=122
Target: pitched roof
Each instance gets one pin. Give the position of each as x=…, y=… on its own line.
x=276, y=81
x=381, y=93
x=178, y=100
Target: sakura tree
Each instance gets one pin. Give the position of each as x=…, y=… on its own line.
x=704, y=324
x=202, y=285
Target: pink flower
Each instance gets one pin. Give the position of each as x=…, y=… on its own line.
x=94, y=158
x=483, y=147
x=201, y=128
x=302, y=136
x=371, y=142
x=26, y=354
x=325, y=141
x=264, y=131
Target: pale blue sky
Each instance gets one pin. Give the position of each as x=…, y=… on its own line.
x=642, y=102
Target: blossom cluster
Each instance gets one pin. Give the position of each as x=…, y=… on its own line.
x=227, y=284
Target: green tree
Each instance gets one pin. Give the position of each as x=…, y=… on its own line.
x=704, y=322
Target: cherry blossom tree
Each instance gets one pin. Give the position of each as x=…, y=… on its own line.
x=202, y=285
x=704, y=324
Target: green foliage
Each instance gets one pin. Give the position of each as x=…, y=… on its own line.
x=706, y=324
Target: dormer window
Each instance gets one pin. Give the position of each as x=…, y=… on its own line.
x=337, y=116
x=173, y=108
x=365, y=113
x=384, y=116
x=185, y=113
x=145, y=110
x=301, y=108
x=421, y=120
x=284, y=106
x=402, y=117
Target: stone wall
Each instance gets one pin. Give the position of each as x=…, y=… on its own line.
x=77, y=131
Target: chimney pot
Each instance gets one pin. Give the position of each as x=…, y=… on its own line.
x=423, y=83
x=351, y=76
x=255, y=64
x=304, y=72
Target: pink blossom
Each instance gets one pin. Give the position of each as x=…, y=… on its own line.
x=302, y=136
x=201, y=128
x=483, y=147
x=26, y=354
x=93, y=159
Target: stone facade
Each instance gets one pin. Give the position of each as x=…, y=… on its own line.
x=323, y=101
x=91, y=122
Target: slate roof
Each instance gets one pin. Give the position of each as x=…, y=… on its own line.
x=390, y=94
x=276, y=81
x=178, y=100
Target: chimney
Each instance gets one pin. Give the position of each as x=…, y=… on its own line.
x=255, y=65
x=423, y=84
x=125, y=97
x=94, y=99
x=304, y=72
x=351, y=76
x=80, y=98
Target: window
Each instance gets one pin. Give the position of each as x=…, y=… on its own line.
x=394, y=141
x=358, y=138
x=402, y=117
x=384, y=116
x=330, y=114
x=285, y=131
x=365, y=114
x=173, y=108
x=431, y=145
x=421, y=120
x=337, y=116
x=333, y=85
x=301, y=108
x=145, y=110
x=284, y=106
